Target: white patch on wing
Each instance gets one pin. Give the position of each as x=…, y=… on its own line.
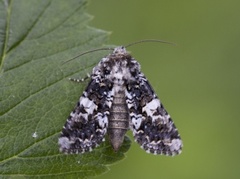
x=109, y=98
x=64, y=142
x=175, y=145
x=151, y=107
x=102, y=120
x=88, y=105
x=136, y=121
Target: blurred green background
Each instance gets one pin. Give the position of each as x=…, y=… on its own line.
x=197, y=80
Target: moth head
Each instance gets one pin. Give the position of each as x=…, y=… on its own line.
x=121, y=50
x=119, y=67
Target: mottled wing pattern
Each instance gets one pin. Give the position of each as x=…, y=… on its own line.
x=87, y=124
x=152, y=126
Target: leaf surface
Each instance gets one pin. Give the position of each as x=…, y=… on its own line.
x=36, y=97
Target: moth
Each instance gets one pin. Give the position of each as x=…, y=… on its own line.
x=118, y=98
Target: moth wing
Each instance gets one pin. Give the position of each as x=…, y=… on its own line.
x=152, y=126
x=87, y=124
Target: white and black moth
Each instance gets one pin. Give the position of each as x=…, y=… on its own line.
x=117, y=98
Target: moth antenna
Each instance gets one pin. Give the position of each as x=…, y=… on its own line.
x=128, y=45
x=149, y=40
x=84, y=53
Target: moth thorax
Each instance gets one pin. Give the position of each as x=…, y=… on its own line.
x=118, y=120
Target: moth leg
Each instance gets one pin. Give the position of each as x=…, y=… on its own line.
x=80, y=80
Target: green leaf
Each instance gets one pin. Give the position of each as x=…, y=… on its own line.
x=36, y=97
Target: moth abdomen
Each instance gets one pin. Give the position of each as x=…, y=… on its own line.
x=118, y=120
